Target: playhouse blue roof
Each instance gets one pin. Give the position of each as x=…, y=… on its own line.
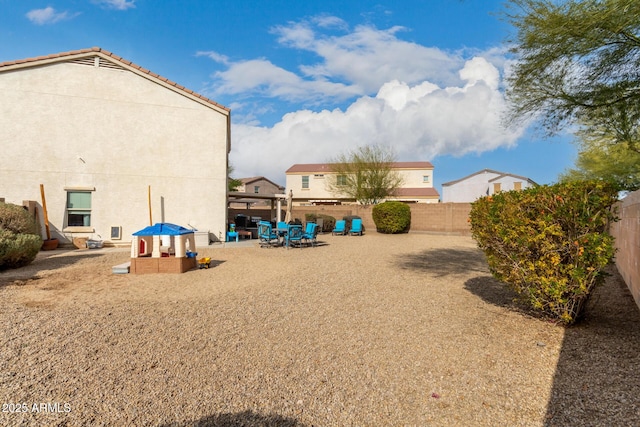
x=163, y=229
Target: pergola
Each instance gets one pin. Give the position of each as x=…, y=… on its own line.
x=248, y=198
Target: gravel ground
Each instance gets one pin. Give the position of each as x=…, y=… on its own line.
x=375, y=330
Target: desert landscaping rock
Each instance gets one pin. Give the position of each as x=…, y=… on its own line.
x=377, y=330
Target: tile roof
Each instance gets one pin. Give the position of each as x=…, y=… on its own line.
x=57, y=57
x=326, y=167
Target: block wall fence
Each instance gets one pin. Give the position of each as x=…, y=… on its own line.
x=433, y=217
x=627, y=234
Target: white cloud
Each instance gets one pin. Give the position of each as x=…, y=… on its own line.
x=48, y=15
x=215, y=56
x=261, y=77
x=422, y=101
x=117, y=4
x=420, y=122
x=351, y=64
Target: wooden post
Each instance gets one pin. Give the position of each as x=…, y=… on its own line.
x=44, y=211
x=149, y=201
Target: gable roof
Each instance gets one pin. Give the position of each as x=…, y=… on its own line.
x=326, y=167
x=499, y=176
x=246, y=181
x=102, y=58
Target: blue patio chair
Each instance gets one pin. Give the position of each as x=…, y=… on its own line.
x=266, y=234
x=340, y=227
x=310, y=234
x=356, y=227
x=294, y=235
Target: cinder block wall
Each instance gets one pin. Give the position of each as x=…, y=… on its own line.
x=433, y=217
x=627, y=234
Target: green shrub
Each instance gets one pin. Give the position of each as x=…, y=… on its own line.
x=549, y=244
x=19, y=241
x=328, y=222
x=392, y=217
x=18, y=250
x=16, y=219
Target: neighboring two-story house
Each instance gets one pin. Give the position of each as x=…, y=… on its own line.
x=482, y=183
x=257, y=185
x=308, y=182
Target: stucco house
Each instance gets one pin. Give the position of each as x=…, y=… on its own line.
x=309, y=184
x=116, y=147
x=257, y=185
x=482, y=183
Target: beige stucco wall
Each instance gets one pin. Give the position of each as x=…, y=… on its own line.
x=69, y=125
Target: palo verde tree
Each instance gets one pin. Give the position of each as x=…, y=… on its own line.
x=599, y=157
x=365, y=174
x=577, y=61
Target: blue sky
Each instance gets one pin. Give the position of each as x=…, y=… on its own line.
x=307, y=80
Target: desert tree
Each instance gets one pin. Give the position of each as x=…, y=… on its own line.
x=600, y=157
x=365, y=174
x=576, y=61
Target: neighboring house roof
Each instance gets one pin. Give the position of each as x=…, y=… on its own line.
x=247, y=181
x=326, y=167
x=500, y=176
x=416, y=192
x=88, y=54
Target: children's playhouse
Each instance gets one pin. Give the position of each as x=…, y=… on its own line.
x=163, y=248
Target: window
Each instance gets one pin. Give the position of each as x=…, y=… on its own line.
x=341, y=180
x=517, y=185
x=305, y=181
x=496, y=187
x=78, y=208
x=256, y=189
x=425, y=178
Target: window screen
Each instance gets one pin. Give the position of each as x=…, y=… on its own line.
x=78, y=208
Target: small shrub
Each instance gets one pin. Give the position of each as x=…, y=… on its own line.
x=549, y=244
x=19, y=241
x=18, y=250
x=16, y=219
x=392, y=217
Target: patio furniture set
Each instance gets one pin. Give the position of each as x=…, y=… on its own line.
x=291, y=235
x=287, y=235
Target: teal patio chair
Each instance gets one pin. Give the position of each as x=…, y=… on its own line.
x=266, y=234
x=294, y=236
x=340, y=227
x=310, y=234
x=356, y=227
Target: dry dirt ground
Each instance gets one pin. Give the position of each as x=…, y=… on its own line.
x=378, y=330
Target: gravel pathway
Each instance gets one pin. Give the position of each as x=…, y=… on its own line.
x=376, y=330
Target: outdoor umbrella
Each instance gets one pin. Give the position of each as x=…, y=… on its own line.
x=287, y=217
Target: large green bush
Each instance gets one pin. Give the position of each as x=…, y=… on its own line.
x=392, y=217
x=550, y=243
x=19, y=241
